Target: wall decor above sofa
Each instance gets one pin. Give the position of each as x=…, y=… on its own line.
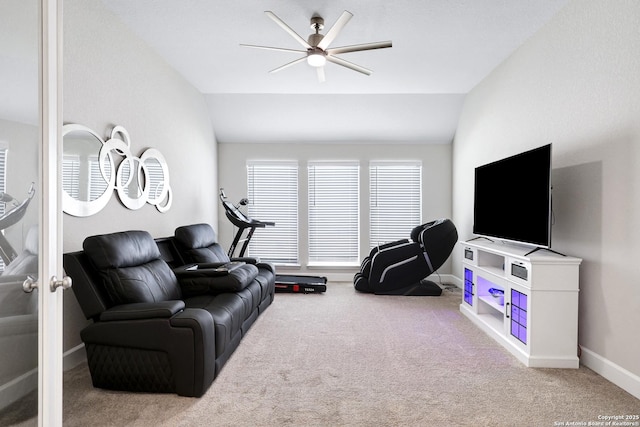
x=93, y=167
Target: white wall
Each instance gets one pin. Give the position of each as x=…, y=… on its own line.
x=576, y=84
x=436, y=177
x=112, y=78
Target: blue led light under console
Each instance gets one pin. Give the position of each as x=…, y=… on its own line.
x=519, y=315
x=468, y=286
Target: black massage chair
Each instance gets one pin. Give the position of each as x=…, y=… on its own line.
x=400, y=267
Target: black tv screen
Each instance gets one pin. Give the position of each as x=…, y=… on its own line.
x=512, y=199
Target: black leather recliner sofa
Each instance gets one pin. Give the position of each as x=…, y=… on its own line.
x=400, y=267
x=198, y=243
x=158, y=329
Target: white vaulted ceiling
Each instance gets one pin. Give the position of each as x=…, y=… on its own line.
x=441, y=50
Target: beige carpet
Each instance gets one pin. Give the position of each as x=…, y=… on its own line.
x=349, y=359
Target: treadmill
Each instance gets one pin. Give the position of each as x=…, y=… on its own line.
x=285, y=283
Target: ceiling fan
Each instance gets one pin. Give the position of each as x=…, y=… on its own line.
x=316, y=48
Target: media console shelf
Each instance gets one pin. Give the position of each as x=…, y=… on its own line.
x=538, y=319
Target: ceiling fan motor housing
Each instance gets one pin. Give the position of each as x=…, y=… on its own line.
x=314, y=39
x=317, y=23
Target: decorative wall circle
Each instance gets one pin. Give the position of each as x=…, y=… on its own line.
x=88, y=172
x=89, y=179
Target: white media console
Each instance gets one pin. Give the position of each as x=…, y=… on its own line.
x=537, y=321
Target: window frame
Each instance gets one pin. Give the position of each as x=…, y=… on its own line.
x=319, y=254
x=268, y=240
x=398, y=225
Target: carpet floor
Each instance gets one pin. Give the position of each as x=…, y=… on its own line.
x=348, y=359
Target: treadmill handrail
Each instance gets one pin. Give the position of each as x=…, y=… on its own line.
x=241, y=220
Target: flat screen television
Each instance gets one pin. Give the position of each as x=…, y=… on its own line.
x=512, y=198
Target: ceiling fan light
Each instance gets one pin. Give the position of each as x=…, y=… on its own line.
x=316, y=59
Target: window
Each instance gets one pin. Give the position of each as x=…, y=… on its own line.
x=272, y=189
x=3, y=176
x=84, y=180
x=71, y=175
x=3, y=185
x=99, y=184
x=395, y=200
x=333, y=213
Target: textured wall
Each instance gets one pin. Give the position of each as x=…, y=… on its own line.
x=112, y=78
x=574, y=84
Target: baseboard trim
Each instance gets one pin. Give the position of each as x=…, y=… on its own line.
x=333, y=276
x=27, y=382
x=619, y=376
x=347, y=276
x=18, y=387
x=445, y=279
x=73, y=357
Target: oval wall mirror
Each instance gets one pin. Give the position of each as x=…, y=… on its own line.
x=88, y=176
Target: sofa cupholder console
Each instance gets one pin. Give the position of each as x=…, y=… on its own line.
x=163, y=321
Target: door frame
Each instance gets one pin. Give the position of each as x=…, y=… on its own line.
x=50, y=332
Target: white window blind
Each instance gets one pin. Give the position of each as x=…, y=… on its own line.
x=3, y=187
x=155, y=179
x=3, y=176
x=97, y=183
x=71, y=175
x=333, y=212
x=272, y=190
x=395, y=204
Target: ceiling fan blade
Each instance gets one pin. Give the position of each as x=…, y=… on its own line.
x=358, y=47
x=283, y=49
x=333, y=32
x=348, y=64
x=288, y=29
x=275, y=70
x=320, y=72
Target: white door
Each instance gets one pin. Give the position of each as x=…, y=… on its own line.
x=30, y=214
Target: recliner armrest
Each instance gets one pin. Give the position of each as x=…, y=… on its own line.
x=208, y=269
x=267, y=266
x=144, y=310
x=257, y=262
x=247, y=259
x=228, y=277
x=186, y=338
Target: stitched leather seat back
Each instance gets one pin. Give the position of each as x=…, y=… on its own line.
x=131, y=268
x=200, y=244
x=87, y=284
